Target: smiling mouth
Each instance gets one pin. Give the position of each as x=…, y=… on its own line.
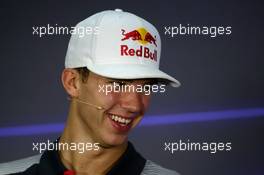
x=120, y=120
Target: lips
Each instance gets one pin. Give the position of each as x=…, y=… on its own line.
x=120, y=123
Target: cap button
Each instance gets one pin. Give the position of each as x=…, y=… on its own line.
x=118, y=10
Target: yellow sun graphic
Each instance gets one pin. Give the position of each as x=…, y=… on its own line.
x=143, y=33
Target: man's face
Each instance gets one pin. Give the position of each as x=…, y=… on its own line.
x=121, y=111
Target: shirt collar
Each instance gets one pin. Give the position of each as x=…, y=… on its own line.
x=130, y=163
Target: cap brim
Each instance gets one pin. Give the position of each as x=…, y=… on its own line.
x=121, y=71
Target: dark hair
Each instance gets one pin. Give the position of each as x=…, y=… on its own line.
x=84, y=72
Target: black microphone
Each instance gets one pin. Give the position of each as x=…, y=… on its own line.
x=87, y=103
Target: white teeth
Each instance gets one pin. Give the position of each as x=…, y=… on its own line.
x=127, y=121
x=120, y=119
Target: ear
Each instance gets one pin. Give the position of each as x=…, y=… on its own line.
x=70, y=81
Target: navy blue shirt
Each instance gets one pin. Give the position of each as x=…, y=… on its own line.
x=130, y=163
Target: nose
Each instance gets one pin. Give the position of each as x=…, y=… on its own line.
x=132, y=102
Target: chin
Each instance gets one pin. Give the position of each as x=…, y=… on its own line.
x=114, y=140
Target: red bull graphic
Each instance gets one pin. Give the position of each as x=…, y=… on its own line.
x=134, y=35
x=149, y=38
x=143, y=37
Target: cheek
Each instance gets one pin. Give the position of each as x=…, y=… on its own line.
x=108, y=100
x=146, y=101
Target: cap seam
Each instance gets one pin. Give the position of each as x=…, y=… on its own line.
x=94, y=38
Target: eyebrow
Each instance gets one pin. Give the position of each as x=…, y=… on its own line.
x=148, y=81
x=126, y=80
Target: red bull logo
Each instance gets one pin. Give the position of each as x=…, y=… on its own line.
x=134, y=35
x=142, y=36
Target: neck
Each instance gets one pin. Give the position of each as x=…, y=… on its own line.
x=94, y=160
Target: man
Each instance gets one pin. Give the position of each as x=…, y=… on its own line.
x=106, y=74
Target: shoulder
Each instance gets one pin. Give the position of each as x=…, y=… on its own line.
x=152, y=168
x=18, y=165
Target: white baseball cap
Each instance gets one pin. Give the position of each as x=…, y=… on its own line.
x=117, y=45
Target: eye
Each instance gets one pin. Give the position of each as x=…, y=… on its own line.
x=147, y=89
x=120, y=83
x=150, y=84
x=117, y=83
